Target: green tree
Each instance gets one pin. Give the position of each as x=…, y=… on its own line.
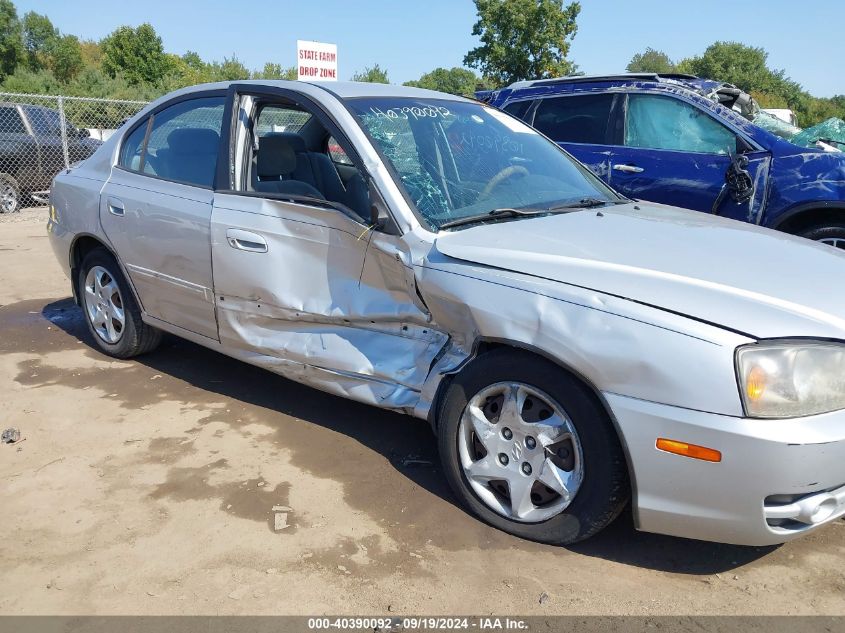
x=745, y=67
x=373, y=75
x=523, y=39
x=39, y=39
x=230, y=69
x=92, y=54
x=136, y=53
x=193, y=60
x=11, y=41
x=31, y=82
x=272, y=70
x=456, y=81
x=66, y=58
x=651, y=61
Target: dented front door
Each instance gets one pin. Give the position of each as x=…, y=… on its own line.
x=312, y=294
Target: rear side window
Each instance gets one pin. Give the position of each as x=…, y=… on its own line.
x=518, y=108
x=10, y=121
x=184, y=140
x=658, y=122
x=575, y=119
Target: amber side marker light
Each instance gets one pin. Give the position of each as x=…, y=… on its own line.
x=689, y=450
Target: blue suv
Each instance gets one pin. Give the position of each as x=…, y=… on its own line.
x=687, y=142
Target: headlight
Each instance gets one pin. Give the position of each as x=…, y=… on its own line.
x=784, y=379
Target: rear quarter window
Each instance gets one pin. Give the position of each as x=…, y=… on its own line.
x=518, y=108
x=133, y=147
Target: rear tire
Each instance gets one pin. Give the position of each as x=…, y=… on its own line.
x=600, y=484
x=111, y=312
x=10, y=194
x=831, y=234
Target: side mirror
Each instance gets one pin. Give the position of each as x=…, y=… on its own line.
x=376, y=216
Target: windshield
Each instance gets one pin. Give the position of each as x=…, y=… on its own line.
x=457, y=160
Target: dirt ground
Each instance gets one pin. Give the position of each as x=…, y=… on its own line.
x=147, y=487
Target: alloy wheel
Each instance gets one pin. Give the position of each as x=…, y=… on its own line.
x=836, y=242
x=520, y=452
x=104, y=304
x=8, y=197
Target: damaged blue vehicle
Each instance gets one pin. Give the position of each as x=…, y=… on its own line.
x=693, y=143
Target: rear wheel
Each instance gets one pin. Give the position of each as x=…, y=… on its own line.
x=111, y=312
x=830, y=234
x=528, y=448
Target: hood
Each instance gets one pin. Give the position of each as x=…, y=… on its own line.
x=756, y=281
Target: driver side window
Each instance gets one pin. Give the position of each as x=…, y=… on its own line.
x=658, y=122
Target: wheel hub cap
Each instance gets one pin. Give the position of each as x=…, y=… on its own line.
x=104, y=305
x=520, y=452
x=8, y=197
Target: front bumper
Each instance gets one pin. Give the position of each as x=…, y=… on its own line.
x=778, y=479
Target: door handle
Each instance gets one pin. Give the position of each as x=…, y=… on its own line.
x=116, y=207
x=629, y=169
x=246, y=241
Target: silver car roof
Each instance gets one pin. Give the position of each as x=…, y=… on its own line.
x=341, y=89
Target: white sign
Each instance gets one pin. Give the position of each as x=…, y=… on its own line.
x=316, y=61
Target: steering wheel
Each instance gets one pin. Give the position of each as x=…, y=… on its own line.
x=498, y=179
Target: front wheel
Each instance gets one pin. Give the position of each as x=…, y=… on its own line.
x=111, y=312
x=831, y=234
x=529, y=449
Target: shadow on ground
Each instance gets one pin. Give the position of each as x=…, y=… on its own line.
x=407, y=446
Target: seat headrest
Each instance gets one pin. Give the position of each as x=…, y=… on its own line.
x=193, y=141
x=276, y=157
x=295, y=140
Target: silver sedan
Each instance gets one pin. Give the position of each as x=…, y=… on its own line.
x=572, y=349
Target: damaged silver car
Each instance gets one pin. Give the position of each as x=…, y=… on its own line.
x=432, y=255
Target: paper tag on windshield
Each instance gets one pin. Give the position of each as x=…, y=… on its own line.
x=514, y=125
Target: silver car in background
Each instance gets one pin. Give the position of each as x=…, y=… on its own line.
x=424, y=253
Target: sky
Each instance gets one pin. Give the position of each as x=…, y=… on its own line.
x=409, y=38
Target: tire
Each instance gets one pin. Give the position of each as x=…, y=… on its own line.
x=105, y=296
x=604, y=488
x=831, y=234
x=10, y=194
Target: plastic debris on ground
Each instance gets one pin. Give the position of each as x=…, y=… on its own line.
x=280, y=520
x=10, y=436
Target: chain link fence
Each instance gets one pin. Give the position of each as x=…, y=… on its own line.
x=40, y=135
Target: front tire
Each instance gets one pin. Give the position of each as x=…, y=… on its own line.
x=111, y=312
x=529, y=449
